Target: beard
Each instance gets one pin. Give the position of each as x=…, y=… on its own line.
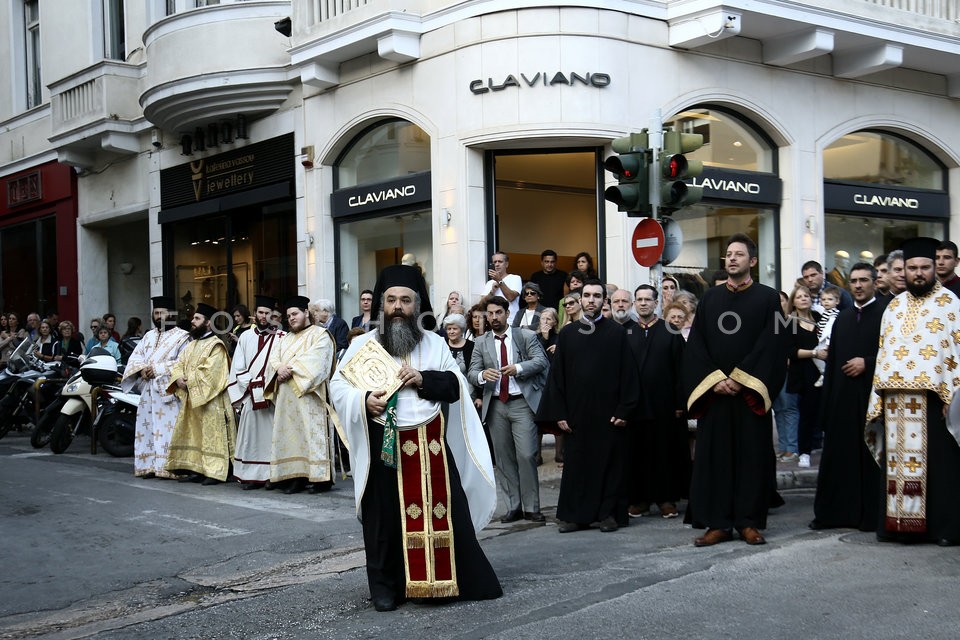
x=401, y=336
x=158, y=323
x=198, y=332
x=922, y=289
x=263, y=326
x=620, y=315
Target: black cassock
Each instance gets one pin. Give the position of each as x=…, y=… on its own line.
x=593, y=377
x=659, y=468
x=741, y=335
x=849, y=479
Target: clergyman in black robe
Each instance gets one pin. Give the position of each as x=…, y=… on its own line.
x=733, y=364
x=660, y=473
x=849, y=480
x=592, y=388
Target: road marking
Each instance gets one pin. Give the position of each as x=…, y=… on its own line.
x=30, y=454
x=207, y=529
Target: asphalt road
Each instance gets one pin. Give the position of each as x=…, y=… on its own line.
x=91, y=551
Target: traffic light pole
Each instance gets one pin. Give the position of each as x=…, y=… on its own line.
x=656, y=146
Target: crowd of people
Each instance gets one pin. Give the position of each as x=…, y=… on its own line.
x=54, y=339
x=655, y=396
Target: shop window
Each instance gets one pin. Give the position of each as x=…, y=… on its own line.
x=729, y=141
x=545, y=200
x=28, y=259
x=875, y=157
x=875, y=236
x=387, y=150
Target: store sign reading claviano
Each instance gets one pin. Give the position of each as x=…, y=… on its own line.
x=595, y=79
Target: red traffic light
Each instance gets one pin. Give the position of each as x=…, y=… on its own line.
x=675, y=167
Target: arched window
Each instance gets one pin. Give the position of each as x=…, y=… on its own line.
x=386, y=150
x=876, y=157
x=729, y=142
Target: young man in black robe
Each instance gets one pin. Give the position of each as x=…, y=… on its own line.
x=733, y=364
x=591, y=393
x=658, y=444
x=849, y=479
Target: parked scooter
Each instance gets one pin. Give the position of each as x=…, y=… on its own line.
x=116, y=421
x=30, y=385
x=80, y=394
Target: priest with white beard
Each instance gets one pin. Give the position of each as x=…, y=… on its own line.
x=251, y=461
x=423, y=476
x=148, y=371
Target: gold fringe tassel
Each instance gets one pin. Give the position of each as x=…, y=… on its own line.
x=442, y=541
x=445, y=589
x=416, y=540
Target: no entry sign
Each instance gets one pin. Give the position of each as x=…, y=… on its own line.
x=647, y=242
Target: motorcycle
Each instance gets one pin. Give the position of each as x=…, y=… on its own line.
x=115, y=424
x=30, y=385
x=80, y=400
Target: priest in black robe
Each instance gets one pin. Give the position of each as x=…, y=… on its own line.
x=849, y=480
x=733, y=363
x=591, y=394
x=660, y=473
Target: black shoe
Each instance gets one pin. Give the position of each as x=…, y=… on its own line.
x=191, y=477
x=608, y=524
x=269, y=486
x=534, y=516
x=816, y=525
x=250, y=486
x=384, y=604
x=320, y=487
x=511, y=516
x=209, y=482
x=569, y=527
x=296, y=486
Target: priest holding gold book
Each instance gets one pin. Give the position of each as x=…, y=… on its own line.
x=423, y=476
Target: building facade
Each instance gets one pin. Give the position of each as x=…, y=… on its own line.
x=222, y=149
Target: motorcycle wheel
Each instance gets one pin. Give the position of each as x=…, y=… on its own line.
x=62, y=434
x=116, y=436
x=44, y=429
x=6, y=415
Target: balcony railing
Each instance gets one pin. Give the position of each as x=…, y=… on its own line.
x=938, y=9
x=106, y=91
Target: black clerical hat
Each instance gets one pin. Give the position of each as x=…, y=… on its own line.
x=300, y=302
x=265, y=301
x=206, y=310
x=920, y=248
x=163, y=302
x=401, y=275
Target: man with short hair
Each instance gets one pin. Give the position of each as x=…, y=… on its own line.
x=658, y=444
x=734, y=363
x=509, y=365
x=296, y=381
x=947, y=266
x=322, y=313
x=110, y=320
x=812, y=274
x=501, y=283
x=848, y=478
x=203, y=437
x=880, y=264
x=896, y=278
x=620, y=307
x=550, y=279
x=591, y=393
x=423, y=478
x=914, y=382
x=148, y=371
x=247, y=389
x=33, y=325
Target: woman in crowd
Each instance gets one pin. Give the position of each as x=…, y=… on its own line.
x=675, y=314
x=68, y=344
x=94, y=328
x=44, y=342
x=455, y=326
x=11, y=337
x=571, y=309
x=575, y=280
x=547, y=331
x=668, y=287
x=529, y=316
x=689, y=302
x=583, y=263
x=786, y=407
x=454, y=298
x=131, y=337
x=802, y=374
x=478, y=322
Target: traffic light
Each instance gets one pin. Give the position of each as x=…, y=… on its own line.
x=675, y=168
x=631, y=168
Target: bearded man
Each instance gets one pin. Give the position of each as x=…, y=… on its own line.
x=423, y=478
x=204, y=435
x=915, y=379
x=148, y=371
x=247, y=389
x=296, y=379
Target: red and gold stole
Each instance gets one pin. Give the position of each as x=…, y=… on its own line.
x=424, y=484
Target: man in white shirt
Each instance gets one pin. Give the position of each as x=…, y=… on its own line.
x=501, y=283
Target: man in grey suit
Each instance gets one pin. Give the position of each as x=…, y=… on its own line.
x=510, y=366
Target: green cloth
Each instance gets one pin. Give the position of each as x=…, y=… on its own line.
x=388, y=453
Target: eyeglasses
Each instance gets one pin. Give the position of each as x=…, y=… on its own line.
x=529, y=293
x=569, y=303
x=94, y=326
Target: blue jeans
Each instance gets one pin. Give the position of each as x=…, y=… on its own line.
x=786, y=412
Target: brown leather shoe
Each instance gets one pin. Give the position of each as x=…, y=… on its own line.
x=712, y=537
x=752, y=536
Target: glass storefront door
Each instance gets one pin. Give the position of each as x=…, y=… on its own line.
x=367, y=246
x=28, y=259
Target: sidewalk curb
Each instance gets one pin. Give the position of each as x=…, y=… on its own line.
x=806, y=479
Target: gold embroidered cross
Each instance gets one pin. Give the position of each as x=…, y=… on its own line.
x=951, y=363
x=892, y=405
x=913, y=464
x=935, y=325
x=901, y=353
x=896, y=377
x=923, y=378
x=943, y=300
x=928, y=352
x=892, y=464
x=913, y=405
x=956, y=336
